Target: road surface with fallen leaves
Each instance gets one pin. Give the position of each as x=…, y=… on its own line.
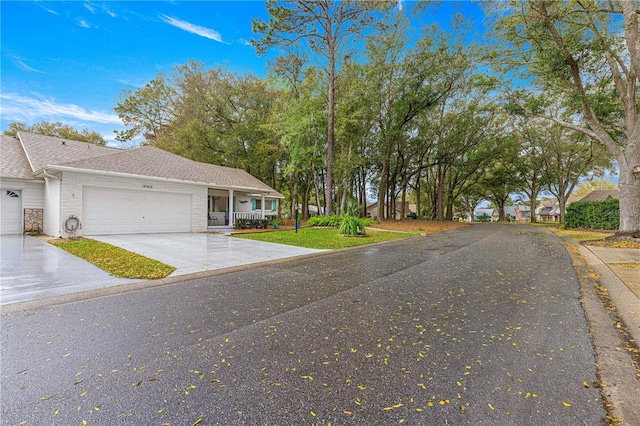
x=480, y=325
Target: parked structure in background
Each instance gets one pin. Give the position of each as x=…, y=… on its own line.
x=409, y=211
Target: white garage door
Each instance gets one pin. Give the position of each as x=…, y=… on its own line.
x=11, y=212
x=116, y=211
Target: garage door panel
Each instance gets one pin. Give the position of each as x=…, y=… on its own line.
x=10, y=212
x=116, y=211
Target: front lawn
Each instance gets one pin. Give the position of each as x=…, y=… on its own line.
x=115, y=260
x=323, y=238
x=592, y=237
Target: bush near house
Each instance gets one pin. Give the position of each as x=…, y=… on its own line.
x=593, y=214
x=334, y=221
x=252, y=223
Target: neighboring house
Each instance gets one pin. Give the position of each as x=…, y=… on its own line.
x=45, y=181
x=409, y=209
x=549, y=210
x=601, y=195
x=491, y=214
x=513, y=213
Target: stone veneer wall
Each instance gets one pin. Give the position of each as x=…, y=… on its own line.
x=33, y=221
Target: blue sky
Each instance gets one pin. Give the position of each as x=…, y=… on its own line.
x=69, y=61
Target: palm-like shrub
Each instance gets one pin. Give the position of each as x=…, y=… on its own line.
x=351, y=225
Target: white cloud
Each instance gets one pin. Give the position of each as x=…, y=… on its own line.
x=53, y=12
x=22, y=64
x=89, y=8
x=193, y=28
x=16, y=107
x=83, y=24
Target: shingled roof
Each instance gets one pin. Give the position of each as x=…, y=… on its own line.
x=45, y=152
x=13, y=161
x=601, y=195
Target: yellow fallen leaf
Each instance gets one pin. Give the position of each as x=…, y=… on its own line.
x=491, y=406
x=197, y=422
x=313, y=414
x=566, y=404
x=585, y=384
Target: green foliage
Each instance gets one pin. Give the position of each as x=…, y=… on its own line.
x=593, y=214
x=115, y=260
x=56, y=130
x=322, y=238
x=351, y=225
x=484, y=217
x=324, y=221
x=348, y=225
x=209, y=115
x=251, y=223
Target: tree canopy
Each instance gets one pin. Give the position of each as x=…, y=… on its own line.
x=58, y=130
x=364, y=102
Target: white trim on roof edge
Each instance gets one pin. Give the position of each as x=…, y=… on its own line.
x=46, y=168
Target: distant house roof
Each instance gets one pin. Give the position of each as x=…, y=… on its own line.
x=49, y=153
x=485, y=212
x=601, y=195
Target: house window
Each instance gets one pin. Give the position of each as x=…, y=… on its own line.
x=12, y=194
x=256, y=204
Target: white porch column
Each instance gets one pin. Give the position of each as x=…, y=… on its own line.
x=232, y=220
x=262, y=204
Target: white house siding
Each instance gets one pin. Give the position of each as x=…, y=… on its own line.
x=52, y=207
x=74, y=183
x=31, y=195
x=243, y=203
x=32, y=191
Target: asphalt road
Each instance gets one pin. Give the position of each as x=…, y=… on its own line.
x=481, y=325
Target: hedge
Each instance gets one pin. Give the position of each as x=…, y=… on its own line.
x=335, y=221
x=252, y=223
x=593, y=214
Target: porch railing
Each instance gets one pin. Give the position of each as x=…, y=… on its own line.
x=252, y=215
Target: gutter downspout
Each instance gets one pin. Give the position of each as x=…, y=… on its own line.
x=46, y=175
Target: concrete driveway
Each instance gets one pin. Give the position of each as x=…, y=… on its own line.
x=33, y=269
x=190, y=253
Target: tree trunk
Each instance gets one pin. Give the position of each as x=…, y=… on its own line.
x=382, y=190
x=439, y=192
x=328, y=192
x=294, y=195
x=629, y=186
x=418, y=195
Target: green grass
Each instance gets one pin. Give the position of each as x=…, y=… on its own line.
x=115, y=260
x=323, y=238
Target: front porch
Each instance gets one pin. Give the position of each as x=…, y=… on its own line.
x=226, y=206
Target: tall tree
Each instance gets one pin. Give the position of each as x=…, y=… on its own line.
x=587, y=53
x=209, y=115
x=567, y=156
x=57, y=130
x=326, y=26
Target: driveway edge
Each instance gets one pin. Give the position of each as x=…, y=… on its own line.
x=34, y=305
